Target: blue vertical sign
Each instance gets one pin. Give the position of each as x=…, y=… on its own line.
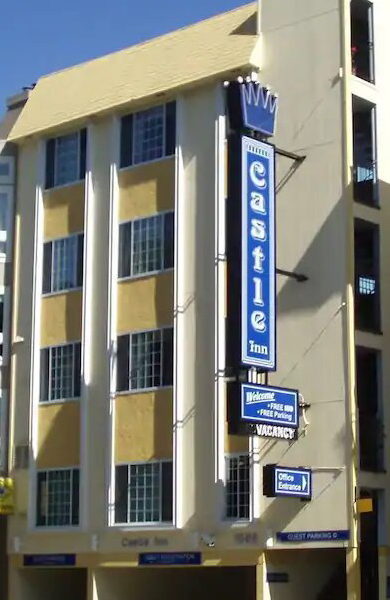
x=258, y=308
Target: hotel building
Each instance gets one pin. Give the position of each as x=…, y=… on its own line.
x=120, y=446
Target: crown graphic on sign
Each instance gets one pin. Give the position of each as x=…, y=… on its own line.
x=252, y=106
x=259, y=96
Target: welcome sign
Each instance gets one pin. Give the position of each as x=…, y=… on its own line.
x=270, y=405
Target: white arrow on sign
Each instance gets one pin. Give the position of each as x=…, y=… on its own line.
x=304, y=482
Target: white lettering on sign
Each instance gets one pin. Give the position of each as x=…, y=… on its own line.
x=259, y=257
x=258, y=254
x=258, y=299
x=275, y=431
x=258, y=324
x=257, y=172
x=258, y=230
x=258, y=203
x=257, y=348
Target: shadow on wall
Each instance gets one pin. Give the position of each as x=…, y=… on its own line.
x=318, y=264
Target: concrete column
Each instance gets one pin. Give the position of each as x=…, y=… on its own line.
x=261, y=580
x=382, y=572
x=92, y=593
x=353, y=573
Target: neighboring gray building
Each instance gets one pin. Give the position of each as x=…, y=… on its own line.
x=8, y=153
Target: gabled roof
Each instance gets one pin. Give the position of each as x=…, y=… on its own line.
x=208, y=49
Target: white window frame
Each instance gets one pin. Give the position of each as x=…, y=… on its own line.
x=55, y=174
x=68, y=289
x=237, y=455
x=131, y=390
x=10, y=178
x=72, y=398
x=163, y=107
x=137, y=524
x=146, y=273
x=5, y=234
x=57, y=527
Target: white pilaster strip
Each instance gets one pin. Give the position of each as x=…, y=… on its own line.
x=112, y=310
x=256, y=482
x=220, y=299
x=36, y=331
x=178, y=318
x=86, y=344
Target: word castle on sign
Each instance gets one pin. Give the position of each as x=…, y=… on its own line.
x=251, y=254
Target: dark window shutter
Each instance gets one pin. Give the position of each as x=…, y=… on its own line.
x=46, y=279
x=121, y=494
x=169, y=236
x=124, y=267
x=50, y=152
x=44, y=375
x=122, y=363
x=41, y=484
x=126, y=141
x=80, y=259
x=77, y=370
x=170, y=128
x=167, y=356
x=83, y=153
x=75, y=496
x=167, y=492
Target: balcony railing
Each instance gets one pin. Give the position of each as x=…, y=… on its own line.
x=365, y=182
x=366, y=301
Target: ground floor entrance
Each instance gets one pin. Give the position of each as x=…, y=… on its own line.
x=273, y=575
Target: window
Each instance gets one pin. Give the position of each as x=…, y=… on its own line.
x=143, y=493
x=371, y=428
x=145, y=360
x=362, y=40
x=63, y=264
x=365, y=180
x=237, y=487
x=60, y=372
x=66, y=159
x=146, y=245
x=4, y=220
x=7, y=170
x=148, y=135
x=367, y=292
x=58, y=498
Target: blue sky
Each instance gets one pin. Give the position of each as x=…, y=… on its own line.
x=41, y=36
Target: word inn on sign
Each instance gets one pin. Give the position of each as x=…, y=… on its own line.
x=251, y=254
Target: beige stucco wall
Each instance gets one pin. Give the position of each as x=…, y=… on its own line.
x=145, y=303
x=146, y=189
x=58, y=435
x=61, y=316
x=63, y=211
x=312, y=228
x=143, y=426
